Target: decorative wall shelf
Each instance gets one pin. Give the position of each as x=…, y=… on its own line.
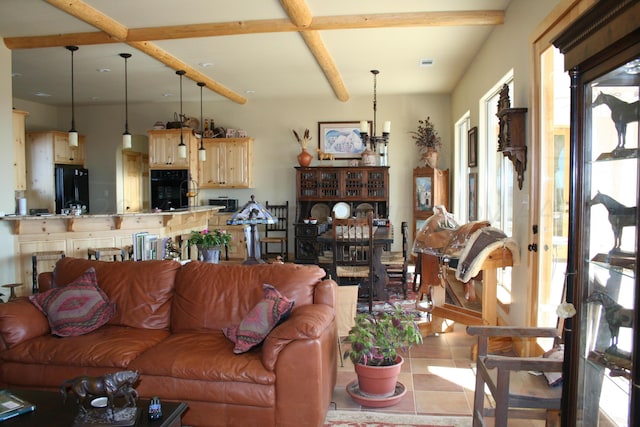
x=511, y=139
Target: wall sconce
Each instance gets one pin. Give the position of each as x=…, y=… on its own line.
x=511, y=139
x=73, y=133
x=386, y=129
x=126, y=136
x=182, y=148
x=202, y=153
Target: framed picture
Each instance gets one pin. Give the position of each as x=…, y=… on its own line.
x=473, y=196
x=472, y=145
x=424, y=193
x=342, y=139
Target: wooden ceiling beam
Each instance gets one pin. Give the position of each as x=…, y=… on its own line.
x=384, y=20
x=119, y=32
x=298, y=12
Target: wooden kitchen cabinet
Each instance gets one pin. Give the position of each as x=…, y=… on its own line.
x=163, y=149
x=229, y=163
x=19, y=150
x=65, y=154
x=238, y=247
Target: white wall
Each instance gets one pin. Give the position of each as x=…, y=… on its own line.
x=508, y=47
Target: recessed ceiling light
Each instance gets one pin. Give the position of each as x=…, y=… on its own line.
x=167, y=94
x=103, y=70
x=42, y=94
x=249, y=92
x=94, y=98
x=16, y=75
x=205, y=64
x=426, y=62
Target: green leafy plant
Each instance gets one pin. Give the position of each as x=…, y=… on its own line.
x=376, y=338
x=210, y=238
x=426, y=137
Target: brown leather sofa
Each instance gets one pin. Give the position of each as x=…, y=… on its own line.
x=168, y=327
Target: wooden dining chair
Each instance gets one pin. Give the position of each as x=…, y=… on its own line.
x=396, y=263
x=512, y=381
x=352, y=247
x=278, y=233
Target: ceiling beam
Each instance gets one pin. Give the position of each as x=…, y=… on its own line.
x=300, y=15
x=116, y=30
x=184, y=31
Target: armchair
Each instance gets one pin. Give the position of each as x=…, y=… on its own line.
x=517, y=392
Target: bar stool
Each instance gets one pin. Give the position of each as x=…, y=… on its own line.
x=98, y=252
x=42, y=256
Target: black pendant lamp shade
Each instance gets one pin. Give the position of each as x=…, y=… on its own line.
x=126, y=136
x=73, y=133
x=202, y=153
x=182, y=148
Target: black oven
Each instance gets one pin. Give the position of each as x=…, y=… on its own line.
x=169, y=189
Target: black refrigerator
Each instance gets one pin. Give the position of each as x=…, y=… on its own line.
x=72, y=187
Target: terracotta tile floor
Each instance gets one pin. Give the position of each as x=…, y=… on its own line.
x=438, y=376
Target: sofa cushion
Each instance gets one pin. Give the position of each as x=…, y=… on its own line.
x=143, y=290
x=78, y=308
x=203, y=292
x=262, y=318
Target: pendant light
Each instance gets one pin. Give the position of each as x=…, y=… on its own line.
x=202, y=153
x=182, y=149
x=73, y=133
x=126, y=136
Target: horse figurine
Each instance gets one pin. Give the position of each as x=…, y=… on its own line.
x=620, y=216
x=615, y=315
x=119, y=384
x=324, y=156
x=621, y=114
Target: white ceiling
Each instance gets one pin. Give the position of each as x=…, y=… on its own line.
x=265, y=65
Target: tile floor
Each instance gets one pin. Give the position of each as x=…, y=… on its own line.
x=437, y=374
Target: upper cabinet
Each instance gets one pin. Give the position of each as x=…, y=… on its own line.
x=19, y=149
x=163, y=149
x=54, y=148
x=601, y=376
x=229, y=163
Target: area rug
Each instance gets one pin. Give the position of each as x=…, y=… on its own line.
x=377, y=419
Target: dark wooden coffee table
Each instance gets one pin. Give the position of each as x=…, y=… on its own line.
x=51, y=412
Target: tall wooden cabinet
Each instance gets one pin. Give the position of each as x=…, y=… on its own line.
x=43, y=151
x=229, y=163
x=430, y=188
x=19, y=149
x=601, y=376
x=319, y=189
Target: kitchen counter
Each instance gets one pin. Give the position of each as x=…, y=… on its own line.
x=74, y=234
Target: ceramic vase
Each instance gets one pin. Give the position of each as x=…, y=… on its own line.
x=304, y=158
x=210, y=255
x=378, y=381
x=430, y=158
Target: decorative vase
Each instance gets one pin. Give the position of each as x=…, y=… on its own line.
x=430, y=158
x=368, y=157
x=304, y=158
x=210, y=255
x=378, y=381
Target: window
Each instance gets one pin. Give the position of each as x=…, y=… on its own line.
x=461, y=162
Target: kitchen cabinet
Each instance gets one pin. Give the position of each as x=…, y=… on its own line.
x=600, y=377
x=163, y=149
x=19, y=149
x=43, y=151
x=229, y=163
x=238, y=247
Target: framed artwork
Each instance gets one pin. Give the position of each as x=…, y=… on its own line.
x=342, y=139
x=424, y=193
x=473, y=196
x=472, y=146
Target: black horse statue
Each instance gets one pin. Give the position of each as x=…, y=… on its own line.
x=615, y=315
x=620, y=216
x=621, y=114
x=119, y=384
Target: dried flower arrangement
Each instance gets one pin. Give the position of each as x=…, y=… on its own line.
x=426, y=137
x=304, y=141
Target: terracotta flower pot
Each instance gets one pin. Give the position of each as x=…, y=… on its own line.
x=378, y=381
x=304, y=158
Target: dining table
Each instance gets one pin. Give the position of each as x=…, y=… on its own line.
x=382, y=238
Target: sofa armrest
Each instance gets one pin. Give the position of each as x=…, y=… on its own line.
x=19, y=321
x=306, y=322
x=45, y=281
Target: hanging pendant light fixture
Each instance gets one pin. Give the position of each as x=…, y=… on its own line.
x=126, y=136
x=202, y=153
x=73, y=133
x=379, y=143
x=182, y=148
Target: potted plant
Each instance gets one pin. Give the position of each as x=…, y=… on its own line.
x=428, y=141
x=376, y=340
x=209, y=243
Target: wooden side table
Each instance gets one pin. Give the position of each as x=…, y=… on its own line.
x=12, y=287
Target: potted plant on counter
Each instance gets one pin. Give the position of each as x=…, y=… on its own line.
x=210, y=243
x=428, y=142
x=376, y=340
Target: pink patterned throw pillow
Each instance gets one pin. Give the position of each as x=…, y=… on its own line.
x=77, y=308
x=262, y=318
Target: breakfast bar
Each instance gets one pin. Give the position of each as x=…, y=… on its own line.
x=74, y=234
